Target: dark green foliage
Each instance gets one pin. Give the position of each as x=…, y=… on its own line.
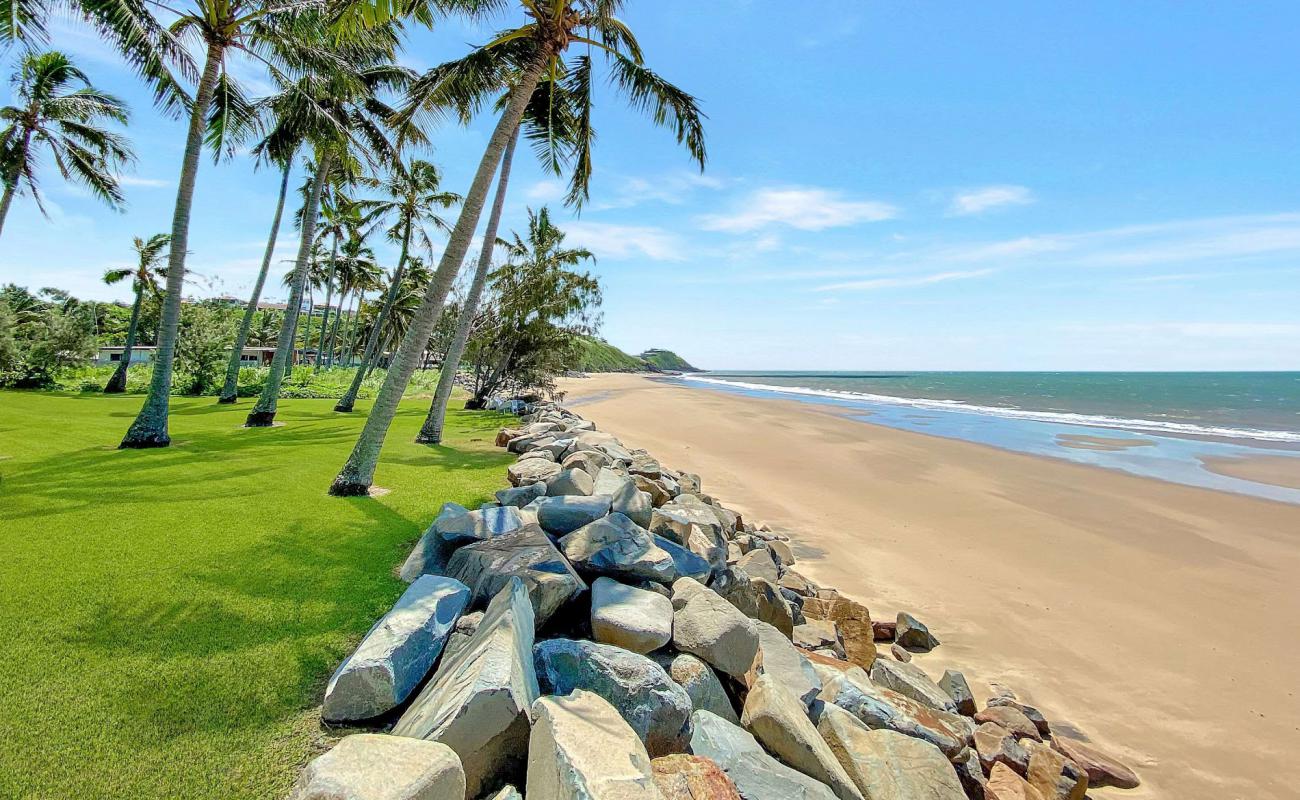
x=667, y=360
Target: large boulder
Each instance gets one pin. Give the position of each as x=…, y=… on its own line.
x=373, y=766
x=1004, y=784
x=589, y=461
x=569, y=482
x=520, y=496
x=713, y=629
x=852, y=621
x=580, y=749
x=881, y=708
x=562, y=515
x=694, y=525
x=1103, y=769
x=531, y=470
x=1011, y=718
x=429, y=557
x=910, y=633
x=486, y=567
x=478, y=703
x=633, y=619
x=778, y=657
x=480, y=525
x=996, y=745
x=656, y=708
x=1055, y=776
x=886, y=765
x=397, y=653
x=756, y=774
x=756, y=598
x=700, y=682
x=958, y=690
x=816, y=634
x=1032, y=714
x=683, y=777
x=617, y=547
x=911, y=681
x=625, y=497
x=759, y=564
x=779, y=720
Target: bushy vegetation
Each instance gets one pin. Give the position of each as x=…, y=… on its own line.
x=303, y=383
x=598, y=355
x=667, y=360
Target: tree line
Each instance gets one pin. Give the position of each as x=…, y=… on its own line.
x=356, y=119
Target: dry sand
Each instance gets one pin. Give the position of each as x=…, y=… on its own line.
x=1159, y=619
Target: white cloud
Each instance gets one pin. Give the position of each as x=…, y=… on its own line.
x=903, y=281
x=546, y=191
x=144, y=183
x=977, y=201
x=608, y=240
x=804, y=208
x=673, y=189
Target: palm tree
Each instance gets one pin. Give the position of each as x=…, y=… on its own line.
x=145, y=275
x=342, y=116
x=368, y=278
x=356, y=262
x=413, y=196
x=340, y=221
x=517, y=58
x=60, y=112
x=276, y=33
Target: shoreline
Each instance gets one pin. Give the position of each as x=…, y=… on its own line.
x=1090, y=592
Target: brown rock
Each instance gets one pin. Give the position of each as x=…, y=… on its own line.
x=852, y=620
x=1006, y=785
x=505, y=435
x=883, y=629
x=899, y=653
x=1055, y=776
x=996, y=745
x=682, y=777
x=1013, y=719
x=1102, y=769
x=1035, y=716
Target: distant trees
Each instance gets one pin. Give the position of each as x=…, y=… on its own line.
x=144, y=280
x=42, y=335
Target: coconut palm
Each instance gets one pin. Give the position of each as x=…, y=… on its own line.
x=144, y=280
x=356, y=265
x=58, y=112
x=517, y=59
x=340, y=221
x=413, y=196
x=343, y=117
x=368, y=277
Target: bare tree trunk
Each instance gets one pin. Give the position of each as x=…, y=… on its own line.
x=329, y=295
x=334, y=332
x=349, y=398
x=431, y=431
x=117, y=383
x=359, y=471
x=150, y=426
x=263, y=414
x=350, y=348
x=230, y=390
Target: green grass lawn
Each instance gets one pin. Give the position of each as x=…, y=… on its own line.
x=168, y=618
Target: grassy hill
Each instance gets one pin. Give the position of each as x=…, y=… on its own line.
x=598, y=355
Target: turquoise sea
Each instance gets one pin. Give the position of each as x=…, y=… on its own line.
x=1160, y=425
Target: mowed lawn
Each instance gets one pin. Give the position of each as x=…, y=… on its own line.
x=168, y=618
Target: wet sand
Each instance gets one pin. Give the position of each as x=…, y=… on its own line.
x=1275, y=470
x=1159, y=619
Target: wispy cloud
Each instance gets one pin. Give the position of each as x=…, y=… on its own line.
x=985, y=198
x=545, y=191
x=902, y=281
x=609, y=240
x=144, y=183
x=673, y=188
x=803, y=208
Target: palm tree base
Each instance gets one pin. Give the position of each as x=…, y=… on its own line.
x=427, y=438
x=146, y=441
x=224, y=400
x=343, y=488
x=259, y=419
x=113, y=388
x=343, y=407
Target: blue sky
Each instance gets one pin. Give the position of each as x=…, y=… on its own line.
x=999, y=185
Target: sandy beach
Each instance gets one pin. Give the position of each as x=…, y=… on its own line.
x=1158, y=619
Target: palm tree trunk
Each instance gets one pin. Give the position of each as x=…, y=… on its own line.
x=350, y=348
x=263, y=414
x=117, y=383
x=229, y=392
x=329, y=295
x=150, y=426
x=431, y=431
x=358, y=473
x=349, y=398
x=344, y=297
x=11, y=182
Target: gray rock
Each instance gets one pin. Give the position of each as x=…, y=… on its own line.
x=779, y=720
x=911, y=634
x=955, y=686
x=797, y=583
x=570, y=482
x=881, y=708
x=756, y=598
x=359, y=765
x=521, y=496
x=971, y=775
x=886, y=765
x=694, y=525
x=700, y=682
x=638, y=688
x=625, y=498
x=659, y=496
x=397, y=653
x=589, y=461
x=561, y=515
x=507, y=792
x=631, y=618
x=1032, y=714
x=532, y=470
x=899, y=653
x=817, y=634
x=756, y=774
x=645, y=465
x=779, y=658
x=758, y=563
x=618, y=547
x=461, y=634
x=782, y=552
x=477, y=526
x=544, y=454
x=911, y=681
x=486, y=567
x=713, y=629
x=479, y=702
x=581, y=750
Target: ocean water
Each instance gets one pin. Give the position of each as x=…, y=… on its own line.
x=1161, y=425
